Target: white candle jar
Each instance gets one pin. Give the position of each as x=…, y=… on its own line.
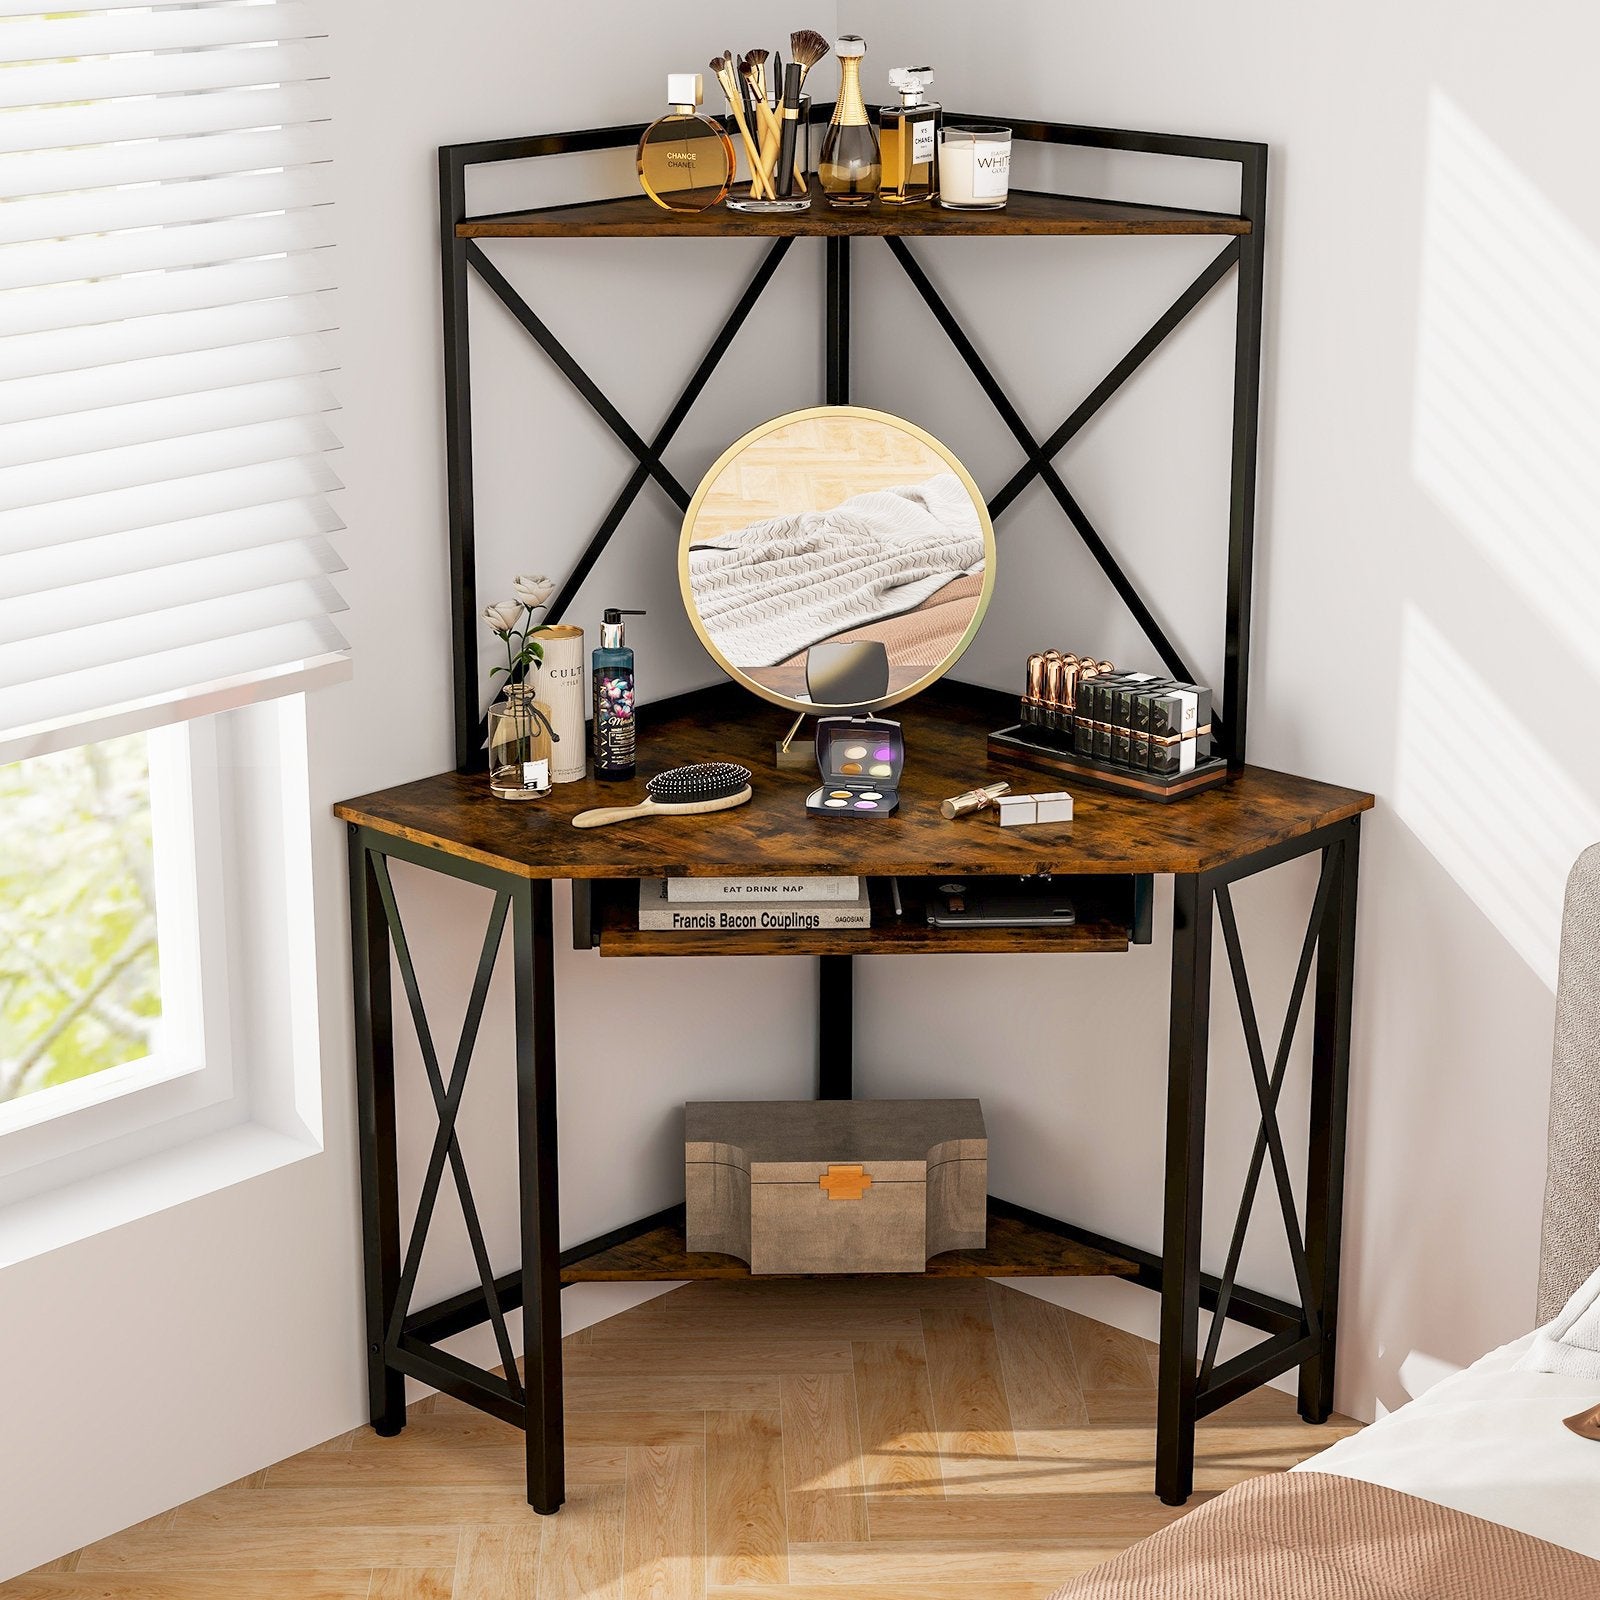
x=974, y=168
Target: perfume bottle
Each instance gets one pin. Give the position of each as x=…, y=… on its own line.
x=909, y=136
x=686, y=160
x=848, y=168
x=615, y=730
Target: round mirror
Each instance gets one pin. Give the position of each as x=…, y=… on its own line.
x=836, y=559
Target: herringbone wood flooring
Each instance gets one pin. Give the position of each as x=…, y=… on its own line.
x=888, y=1439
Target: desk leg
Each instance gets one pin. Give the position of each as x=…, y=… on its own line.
x=536, y=1164
x=380, y=1190
x=1330, y=1081
x=835, y=1028
x=1186, y=1145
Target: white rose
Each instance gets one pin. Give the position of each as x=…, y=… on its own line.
x=503, y=616
x=533, y=590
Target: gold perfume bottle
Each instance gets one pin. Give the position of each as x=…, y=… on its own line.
x=848, y=168
x=686, y=160
x=908, y=135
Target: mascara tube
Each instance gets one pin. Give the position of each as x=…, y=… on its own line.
x=791, y=130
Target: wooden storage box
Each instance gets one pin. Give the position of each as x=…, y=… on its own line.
x=822, y=1186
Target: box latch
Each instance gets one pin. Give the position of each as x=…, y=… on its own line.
x=844, y=1182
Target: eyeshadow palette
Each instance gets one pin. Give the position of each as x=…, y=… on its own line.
x=860, y=759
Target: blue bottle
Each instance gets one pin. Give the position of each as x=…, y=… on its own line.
x=614, y=725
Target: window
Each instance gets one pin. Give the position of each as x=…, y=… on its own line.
x=80, y=965
x=165, y=563
x=100, y=972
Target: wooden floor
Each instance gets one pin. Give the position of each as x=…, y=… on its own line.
x=888, y=1439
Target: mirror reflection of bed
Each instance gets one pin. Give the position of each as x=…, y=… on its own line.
x=838, y=527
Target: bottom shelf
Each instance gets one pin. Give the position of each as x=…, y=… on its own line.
x=1016, y=1249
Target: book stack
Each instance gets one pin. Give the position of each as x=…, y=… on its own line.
x=743, y=905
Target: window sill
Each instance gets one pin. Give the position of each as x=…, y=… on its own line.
x=143, y=1188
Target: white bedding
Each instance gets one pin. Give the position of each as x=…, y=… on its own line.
x=1489, y=1442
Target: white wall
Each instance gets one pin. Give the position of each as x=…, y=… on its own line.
x=1429, y=416
x=1428, y=485
x=178, y=1353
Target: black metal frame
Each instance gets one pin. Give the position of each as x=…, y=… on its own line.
x=461, y=258
x=1193, y=1382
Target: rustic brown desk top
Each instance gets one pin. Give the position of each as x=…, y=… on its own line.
x=945, y=731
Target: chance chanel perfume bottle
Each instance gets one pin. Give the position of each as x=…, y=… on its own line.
x=686, y=161
x=908, y=137
x=848, y=168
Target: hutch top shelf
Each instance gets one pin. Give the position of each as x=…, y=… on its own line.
x=1026, y=212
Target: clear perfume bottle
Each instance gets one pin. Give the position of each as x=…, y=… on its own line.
x=686, y=160
x=848, y=168
x=908, y=136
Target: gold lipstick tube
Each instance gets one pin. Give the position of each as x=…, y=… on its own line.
x=1033, y=694
x=973, y=800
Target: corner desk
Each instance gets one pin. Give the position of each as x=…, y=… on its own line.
x=1116, y=845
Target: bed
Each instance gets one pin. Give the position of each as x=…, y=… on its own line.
x=1474, y=1491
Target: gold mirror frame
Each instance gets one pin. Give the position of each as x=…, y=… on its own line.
x=860, y=413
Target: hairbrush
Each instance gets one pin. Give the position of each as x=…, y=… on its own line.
x=682, y=791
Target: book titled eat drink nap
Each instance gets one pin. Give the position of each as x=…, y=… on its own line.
x=658, y=914
x=709, y=891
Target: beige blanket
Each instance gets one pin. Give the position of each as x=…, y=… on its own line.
x=1314, y=1536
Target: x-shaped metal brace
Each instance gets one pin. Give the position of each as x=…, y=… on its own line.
x=1040, y=456
x=648, y=454
x=1268, y=1088
x=447, y=1102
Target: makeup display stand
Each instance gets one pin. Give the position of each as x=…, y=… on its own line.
x=451, y=824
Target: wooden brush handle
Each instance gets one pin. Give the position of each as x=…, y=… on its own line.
x=771, y=138
x=759, y=186
x=651, y=808
x=599, y=818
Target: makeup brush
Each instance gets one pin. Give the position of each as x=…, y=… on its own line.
x=686, y=791
x=758, y=109
x=775, y=80
x=736, y=67
x=807, y=47
x=756, y=65
x=722, y=70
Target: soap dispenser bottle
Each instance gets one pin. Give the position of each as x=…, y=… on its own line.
x=612, y=677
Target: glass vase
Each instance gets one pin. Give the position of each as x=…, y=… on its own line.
x=519, y=744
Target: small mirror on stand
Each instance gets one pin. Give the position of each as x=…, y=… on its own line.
x=836, y=561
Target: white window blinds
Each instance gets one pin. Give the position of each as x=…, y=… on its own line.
x=165, y=277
